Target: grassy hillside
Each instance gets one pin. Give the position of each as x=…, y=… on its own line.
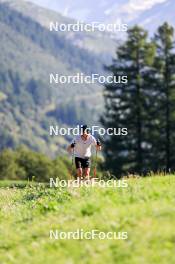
x=145, y=209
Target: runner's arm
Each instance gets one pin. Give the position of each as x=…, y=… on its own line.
x=71, y=146
x=98, y=145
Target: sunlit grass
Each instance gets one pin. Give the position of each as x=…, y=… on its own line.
x=145, y=210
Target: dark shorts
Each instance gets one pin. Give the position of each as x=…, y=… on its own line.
x=82, y=163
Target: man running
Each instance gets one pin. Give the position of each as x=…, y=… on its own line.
x=81, y=146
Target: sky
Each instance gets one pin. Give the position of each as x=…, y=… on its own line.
x=67, y=7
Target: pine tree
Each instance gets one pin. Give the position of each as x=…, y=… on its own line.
x=126, y=105
x=165, y=79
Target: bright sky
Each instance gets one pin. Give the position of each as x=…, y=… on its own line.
x=133, y=4
x=141, y=4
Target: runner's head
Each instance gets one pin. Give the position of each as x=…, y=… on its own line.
x=85, y=131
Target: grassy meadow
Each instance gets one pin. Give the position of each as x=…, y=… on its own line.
x=145, y=210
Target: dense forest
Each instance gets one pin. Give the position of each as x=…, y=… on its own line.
x=28, y=103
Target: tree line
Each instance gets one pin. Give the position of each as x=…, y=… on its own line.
x=145, y=105
x=24, y=164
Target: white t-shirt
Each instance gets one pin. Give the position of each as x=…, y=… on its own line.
x=83, y=147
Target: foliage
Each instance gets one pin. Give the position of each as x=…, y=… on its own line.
x=164, y=79
x=126, y=104
x=145, y=106
x=24, y=164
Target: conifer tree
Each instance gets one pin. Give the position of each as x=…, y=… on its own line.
x=164, y=78
x=126, y=104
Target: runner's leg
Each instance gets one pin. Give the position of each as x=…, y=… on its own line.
x=78, y=164
x=86, y=173
x=79, y=173
x=86, y=168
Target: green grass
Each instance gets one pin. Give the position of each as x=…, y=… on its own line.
x=146, y=210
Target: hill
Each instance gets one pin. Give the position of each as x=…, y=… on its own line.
x=99, y=43
x=29, y=53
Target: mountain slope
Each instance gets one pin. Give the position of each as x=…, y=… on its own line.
x=28, y=104
x=98, y=43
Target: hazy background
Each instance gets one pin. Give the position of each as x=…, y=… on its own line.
x=30, y=52
x=148, y=13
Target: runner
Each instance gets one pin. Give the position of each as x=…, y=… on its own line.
x=81, y=146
